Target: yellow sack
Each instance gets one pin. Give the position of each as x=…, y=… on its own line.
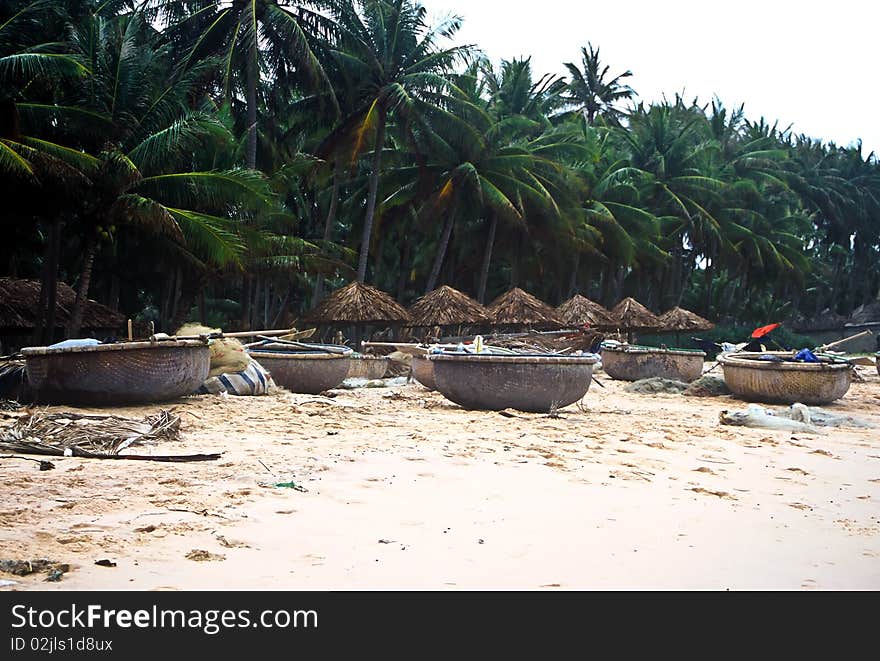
x=227, y=353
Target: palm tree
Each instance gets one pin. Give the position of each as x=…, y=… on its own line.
x=143, y=137
x=256, y=37
x=392, y=60
x=591, y=92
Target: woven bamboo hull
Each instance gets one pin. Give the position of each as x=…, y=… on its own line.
x=423, y=372
x=784, y=383
x=877, y=356
x=140, y=374
x=526, y=383
x=368, y=367
x=635, y=365
x=304, y=373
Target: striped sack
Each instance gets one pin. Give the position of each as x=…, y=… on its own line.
x=254, y=380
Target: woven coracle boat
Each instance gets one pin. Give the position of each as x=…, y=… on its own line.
x=368, y=367
x=123, y=373
x=307, y=371
x=423, y=371
x=877, y=356
x=633, y=363
x=526, y=382
x=757, y=380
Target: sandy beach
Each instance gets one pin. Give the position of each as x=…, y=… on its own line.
x=405, y=490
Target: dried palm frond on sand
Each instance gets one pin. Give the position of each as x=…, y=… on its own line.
x=92, y=436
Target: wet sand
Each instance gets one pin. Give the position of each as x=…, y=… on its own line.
x=405, y=490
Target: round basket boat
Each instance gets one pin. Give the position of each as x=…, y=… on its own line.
x=633, y=363
x=303, y=371
x=877, y=362
x=124, y=373
x=423, y=371
x=785, y=383
x=368, y=367
x=536, y=383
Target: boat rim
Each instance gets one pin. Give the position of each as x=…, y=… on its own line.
x=116, y=346
x=533, y=359
x=636, y=348
x=749, y=359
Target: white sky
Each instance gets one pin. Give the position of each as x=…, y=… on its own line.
x=807, y=63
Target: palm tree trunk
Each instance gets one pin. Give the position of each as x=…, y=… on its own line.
x=371, y=197
x=710, y=267
x=572, y=283
x=403, y=275
x=285, y=303
x=328, y=226
x=82, y=291
x=487, y=259
x=45, y=326
x=246, y=301
x=441, y=249
x=251, y=82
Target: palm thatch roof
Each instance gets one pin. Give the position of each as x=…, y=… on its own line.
x=679, y=319
x=517, y=307
x=630, y=314
x=580, y=310
x=447, y=306
x=358, y=303
x=20, y=304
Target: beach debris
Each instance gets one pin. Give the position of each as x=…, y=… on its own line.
x=200, y=555
x=44, y=465
x=822, y=418
x=656, y=385
x=93, y=436
x=104, y=562
x=291, y=485
x=386, y=541
x=109, y=434
x=797, y=417
x=54, y=576
x=759, y=417
x=27, y=567
x=231, y=543
x=707, y=386
x=5, y=584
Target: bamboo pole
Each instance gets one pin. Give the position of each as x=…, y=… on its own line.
x=255, y=333
x=825, y=347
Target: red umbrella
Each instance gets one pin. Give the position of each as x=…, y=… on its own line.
x=764, y=330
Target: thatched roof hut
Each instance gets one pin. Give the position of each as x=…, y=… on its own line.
x=679, y=319
x=20, y=304
x=581, y=311
x=357, y=303
x=632, y=315
x=519, y=308
x=447, y=306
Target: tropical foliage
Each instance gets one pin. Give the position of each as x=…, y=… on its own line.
x=233, y=159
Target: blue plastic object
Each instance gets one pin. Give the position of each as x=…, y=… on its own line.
x=806, y=356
